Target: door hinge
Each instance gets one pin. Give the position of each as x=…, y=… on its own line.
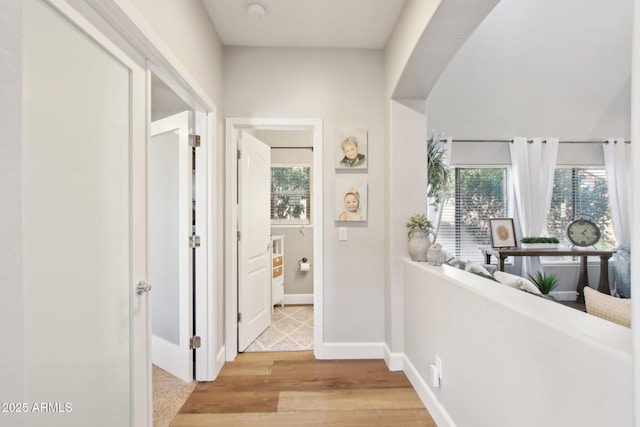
x=194, y=141
x=239, y=154
x=239, y=236
x=194, y=342
x=239, y=317
x=194, y=241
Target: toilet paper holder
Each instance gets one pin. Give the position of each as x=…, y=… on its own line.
x=303, y=261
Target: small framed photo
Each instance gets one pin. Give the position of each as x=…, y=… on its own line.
x=503, y=233
x=351, y=198
x=351, y=150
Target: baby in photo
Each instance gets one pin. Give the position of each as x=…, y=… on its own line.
x=352, y=158
x=352, y=206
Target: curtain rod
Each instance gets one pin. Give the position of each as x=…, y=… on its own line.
x=626, y=141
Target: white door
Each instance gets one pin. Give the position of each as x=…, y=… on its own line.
x=254, y=246
x=84, y=225
x=170, y=257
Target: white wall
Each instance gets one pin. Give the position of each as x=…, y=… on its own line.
x=540, y=68
x=11, y=291
x=344, y=88
x=510, y=358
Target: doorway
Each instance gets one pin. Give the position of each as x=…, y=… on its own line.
x=234, y=128
x=290, y=326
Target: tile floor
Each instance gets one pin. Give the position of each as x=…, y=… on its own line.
x=291, y=329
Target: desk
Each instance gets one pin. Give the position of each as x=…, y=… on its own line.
x=583, y=280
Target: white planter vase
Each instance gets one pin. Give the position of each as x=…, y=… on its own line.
x=419, y=242
x=539, y=245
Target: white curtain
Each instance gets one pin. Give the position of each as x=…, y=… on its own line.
x=617, y=162
x=533, y=166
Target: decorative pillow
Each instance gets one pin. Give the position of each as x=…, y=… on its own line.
x=477, y=269
x=614, y=309
x=474, y=267
x=516, y=282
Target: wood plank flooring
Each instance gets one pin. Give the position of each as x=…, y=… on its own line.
x=294, y=389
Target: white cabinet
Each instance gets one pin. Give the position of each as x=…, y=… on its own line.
x=277, y=265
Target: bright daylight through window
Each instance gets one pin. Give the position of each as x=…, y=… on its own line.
x=290, y=194
x=482, y=193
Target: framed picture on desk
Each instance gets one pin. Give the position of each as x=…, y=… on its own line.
x=503, y=233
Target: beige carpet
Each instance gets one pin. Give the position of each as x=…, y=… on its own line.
x=169, y=394
x=291, y=329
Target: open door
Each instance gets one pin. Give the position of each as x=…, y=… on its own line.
x=170, y=255
x=254, y=245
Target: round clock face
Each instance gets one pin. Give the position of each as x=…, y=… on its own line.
x=583, y=232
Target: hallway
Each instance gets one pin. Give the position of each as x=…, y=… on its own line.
x=277, y=389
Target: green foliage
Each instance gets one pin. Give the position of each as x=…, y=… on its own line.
x=481, y=194
x=438, y=172
x=577, y=192
x=539, y=240
x=545, y=282
x=290, y=195
x=419, y=222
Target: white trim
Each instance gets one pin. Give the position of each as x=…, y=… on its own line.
x=394, y=361
x=296, y=299
x=206, y=368
x=232, y=125
x=356, y=350
x=431, y=402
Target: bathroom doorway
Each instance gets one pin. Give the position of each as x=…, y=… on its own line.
x=296, y=316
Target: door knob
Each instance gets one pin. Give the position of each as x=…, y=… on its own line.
x=142, y=287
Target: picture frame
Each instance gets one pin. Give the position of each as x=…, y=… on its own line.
x=350, y=190
x=503, y=233
x=351, y=152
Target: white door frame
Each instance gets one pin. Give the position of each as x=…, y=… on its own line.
x=232, y=126
x=128, y=29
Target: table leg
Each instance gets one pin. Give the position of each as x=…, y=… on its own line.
x=487, y=258
x=502, y=258
x=603, y=285
x=583, y=280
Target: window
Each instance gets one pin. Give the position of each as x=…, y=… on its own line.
x=578, y=192
x=478, y=194
x=290, y=194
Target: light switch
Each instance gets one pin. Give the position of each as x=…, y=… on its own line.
x=342, y=233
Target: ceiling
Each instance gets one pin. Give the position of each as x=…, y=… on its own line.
x=365, y=24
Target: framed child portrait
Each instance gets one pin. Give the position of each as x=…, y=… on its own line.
x=351, y=199
x=503, y=234
x=351, y=150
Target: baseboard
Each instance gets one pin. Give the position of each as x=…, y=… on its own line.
x=429, y=399
x=564, y=295
x=220, y=361
x=294, y=299
x=394, y=361
x=366, y=350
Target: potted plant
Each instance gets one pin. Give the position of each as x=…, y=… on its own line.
x=420, y=232
x=539, y=242
x=545, y=282
x=439, y=174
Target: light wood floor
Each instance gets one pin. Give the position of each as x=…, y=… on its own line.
x=294, y=389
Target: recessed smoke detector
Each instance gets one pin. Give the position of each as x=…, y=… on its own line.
x=256, y=10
